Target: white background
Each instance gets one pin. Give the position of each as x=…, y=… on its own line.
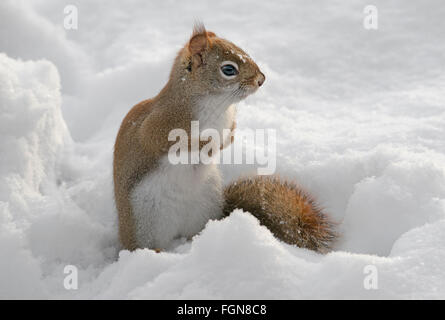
x=360, y=120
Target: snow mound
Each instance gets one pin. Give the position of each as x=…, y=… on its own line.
x=33, y=134
x=42, y=228
x=237, y=258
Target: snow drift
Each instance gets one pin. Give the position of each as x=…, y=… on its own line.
x=42, y=227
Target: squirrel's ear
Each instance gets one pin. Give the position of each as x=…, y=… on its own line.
x=199, y=42
x=211, y=34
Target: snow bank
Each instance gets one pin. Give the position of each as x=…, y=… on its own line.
x=33, y=133
x=360, y=120
x=42, y=228
x=237, y=258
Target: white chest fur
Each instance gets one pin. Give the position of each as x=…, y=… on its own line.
x=175, y=201
x=213, y=114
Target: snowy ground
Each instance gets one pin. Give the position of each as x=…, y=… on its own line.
x=360, y=120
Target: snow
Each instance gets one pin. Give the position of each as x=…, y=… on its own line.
x=359, y=118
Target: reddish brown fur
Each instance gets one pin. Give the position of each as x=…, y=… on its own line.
x=289, y=212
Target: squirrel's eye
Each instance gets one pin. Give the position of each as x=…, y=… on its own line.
x=229, y=70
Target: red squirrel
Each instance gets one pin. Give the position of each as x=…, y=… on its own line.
x=158, y=201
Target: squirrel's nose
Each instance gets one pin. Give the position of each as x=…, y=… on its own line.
x=261, y=78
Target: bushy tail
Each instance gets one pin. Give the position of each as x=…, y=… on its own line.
x=289, y=212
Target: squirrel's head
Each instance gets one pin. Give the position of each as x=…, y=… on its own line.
x=210, y=65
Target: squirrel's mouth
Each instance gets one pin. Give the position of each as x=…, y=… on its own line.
x=246, y=90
